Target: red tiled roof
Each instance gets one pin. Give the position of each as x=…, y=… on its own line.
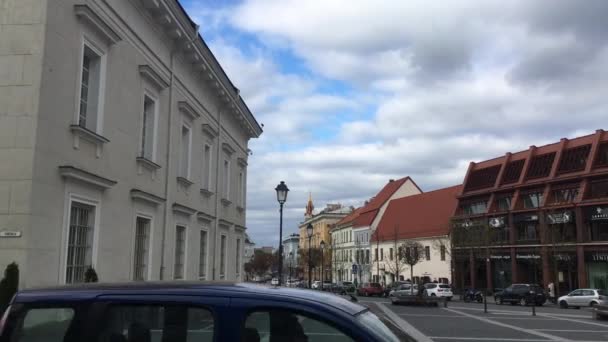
x=350, y=218
x=369, y=211
x=424, y=215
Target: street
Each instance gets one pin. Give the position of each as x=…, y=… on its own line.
x=467, y=322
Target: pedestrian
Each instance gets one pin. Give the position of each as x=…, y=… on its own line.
x=551, y=288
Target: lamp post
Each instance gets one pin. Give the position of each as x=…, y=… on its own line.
x=282, y=191
x=322, y=244
x=309, y=233
x=290, y=264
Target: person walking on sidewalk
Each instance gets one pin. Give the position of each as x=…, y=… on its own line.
x=551, y=288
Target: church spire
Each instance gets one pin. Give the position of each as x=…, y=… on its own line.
x=309, y=206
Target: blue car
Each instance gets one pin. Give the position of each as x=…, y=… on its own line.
x=182, y=311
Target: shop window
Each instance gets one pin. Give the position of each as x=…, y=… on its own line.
x=564, y=196
x=527, y=232
x=574, y=159
x=532, y=200
x=599, y=189
x=602, y=155
x=513, y=171
x=483, y=178
x=540, y=166
x=599, y=230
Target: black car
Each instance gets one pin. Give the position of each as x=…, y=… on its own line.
x=347, y=286
x=523, y=294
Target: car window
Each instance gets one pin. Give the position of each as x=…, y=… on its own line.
x=431, y=286
x=43, y=324
x=370, y=320
x=576, y=293
x=588, y=293
x=285, y=325
x=156, y=323
x=444, y=286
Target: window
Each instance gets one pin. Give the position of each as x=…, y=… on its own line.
x=142, y=241
x=226, y=185
x=285, y=325
x=90, y=89
x=156, y=323
x=574, y=159
x=376, y=254
x=367, y=256
x=442, y=252
x=427, y=252
x=602, y=155
x=540, y=166
x=599, y=188
x=44, y=324
x=202, y=258
x=503, y=203
x=180, y=252
x=80, y=241
x=526, y=232
x=532, y=200
x=206, y=169
x=241, y=188
x=483, y=178
x=513, y=171
x=238, y=256
x=474, y=208
x=223, y=257
x=184, y=164
x=148, y=127
x=390, y=254
x=564, y=196
x=381, y=254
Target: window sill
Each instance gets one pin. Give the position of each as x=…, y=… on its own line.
x=206, y=193
x=80, y=132
x=147, y=163
x=226, y=202
x=185, y=182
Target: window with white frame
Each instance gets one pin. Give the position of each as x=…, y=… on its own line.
x=90, y=88
x=80, y=242
x=206, y=168
x=238, y=256
x=141, y=252
x=226, y=185
x=180, y=252
x=148, y=134
x=184, y=159
x=222, y=256
x=241, y=187
x=202, y=261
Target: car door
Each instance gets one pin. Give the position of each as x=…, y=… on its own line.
x=507, y=294
x=587, y=297
x=575, y=297
x=160, y=318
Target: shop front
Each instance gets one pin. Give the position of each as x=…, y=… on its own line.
x=597, y=269
x=502, y=275
x=597, y=223
x=529, y=267
x=563, y=265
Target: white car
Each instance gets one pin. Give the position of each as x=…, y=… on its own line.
x=404, y=290
x=274, y=281
x=316, y=284
x=583, y=297
x=438, y=290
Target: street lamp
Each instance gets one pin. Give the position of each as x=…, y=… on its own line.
x=282, y=191
x=322, y=244
x=309, y=234
x=290, y=264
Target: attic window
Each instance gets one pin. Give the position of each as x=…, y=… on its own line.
x=513, y=171
x=602, y=155
x=540, y=166
x=482, y=178
x=574, y=159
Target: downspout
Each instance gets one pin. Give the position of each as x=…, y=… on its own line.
x=217, y=188
x=168, y=154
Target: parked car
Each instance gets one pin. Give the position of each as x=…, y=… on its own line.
x=392, y=286
x=404, y=289
x=439, y=290
x=524, y=294
x=292, y=283
x=370, y=289
x=583, y=297
x=347, y=286
x=274, y=281
x=182, y=311
x=316, y=285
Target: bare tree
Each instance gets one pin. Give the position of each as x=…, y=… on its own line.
x=412, y=252
x=396, y=263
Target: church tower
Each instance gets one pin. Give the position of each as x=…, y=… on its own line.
x=309, y=207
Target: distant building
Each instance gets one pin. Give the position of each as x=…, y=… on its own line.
x=423, y=218
x=536, y=216
x=266, y=249
x=249, y=247
x=290, y=249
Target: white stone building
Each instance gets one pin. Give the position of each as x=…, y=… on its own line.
x=290, y=249
x=422, y=218
x=123, y=145
x=353, y=233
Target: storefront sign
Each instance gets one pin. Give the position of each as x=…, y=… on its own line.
x=527, y=256
x=600, y=214
x=500, y=257
x=564, y=217
x=497, y=222
x=10, y=234
x=563, y=257
x=599, y=257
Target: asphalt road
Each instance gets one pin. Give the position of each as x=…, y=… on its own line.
x=467, y=322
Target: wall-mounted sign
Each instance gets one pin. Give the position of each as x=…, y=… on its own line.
x=598, y=257
x=527, y=256
x=497, y=222
x=563, y=257
x=10, y=234
x=600, y=214
x=565, y=217
x=500, y=257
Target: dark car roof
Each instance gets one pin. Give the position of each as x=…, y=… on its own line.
x=226, y=289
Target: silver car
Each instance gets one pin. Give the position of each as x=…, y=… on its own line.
x=583, y=297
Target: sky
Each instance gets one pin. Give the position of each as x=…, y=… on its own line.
x=354, y=93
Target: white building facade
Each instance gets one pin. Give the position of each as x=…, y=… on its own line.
x=123, y=145
x=290, y=250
